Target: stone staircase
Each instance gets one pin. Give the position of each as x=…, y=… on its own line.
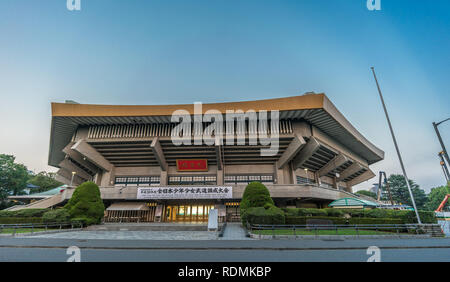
x=435, y=230
x=148, y=227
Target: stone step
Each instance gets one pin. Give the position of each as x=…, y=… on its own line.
x=148, y=227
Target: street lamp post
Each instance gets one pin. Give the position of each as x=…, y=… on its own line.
x=73, y=175
x=307, y=178
x=397, y=149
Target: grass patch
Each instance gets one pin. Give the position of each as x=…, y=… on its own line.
x=20, y=230
x=321, y=232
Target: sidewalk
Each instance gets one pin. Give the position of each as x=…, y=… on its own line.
x=234, y=231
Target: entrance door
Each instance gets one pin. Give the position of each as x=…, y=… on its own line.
x=188, y=213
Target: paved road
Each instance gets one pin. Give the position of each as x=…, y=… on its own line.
x=49, y=249
x=108, y=255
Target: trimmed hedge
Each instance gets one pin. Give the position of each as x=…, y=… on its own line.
x=407, y=216
x=23, y=213
x=261, y=215
x=302, y=220
x=56, y=216
x=305, y=212
x=20, y=220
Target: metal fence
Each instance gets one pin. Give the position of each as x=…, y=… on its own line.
x=317, y=229
x=33, y=227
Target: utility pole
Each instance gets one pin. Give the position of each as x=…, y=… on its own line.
x=444, y=167
x=435, y=125
x=396, y=148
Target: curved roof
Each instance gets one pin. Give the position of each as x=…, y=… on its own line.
x=352, y=202
x=316, y=109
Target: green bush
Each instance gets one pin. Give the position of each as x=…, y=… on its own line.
x=305, y=212
x=334, y=212
x=6, y=214
x=302, y=220
x=56, y=216
x=368, y=220
x=19, y=220
x=86, y=203
x=261, y=215
x=255, y=195
x=23, y=213
x=425, y=217
x=79, y=220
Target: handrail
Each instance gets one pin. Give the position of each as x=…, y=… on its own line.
x=295, y=228
x=18, y=226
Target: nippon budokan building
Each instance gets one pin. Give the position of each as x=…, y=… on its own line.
x=152, y=163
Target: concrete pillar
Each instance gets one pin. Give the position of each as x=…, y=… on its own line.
x=164, y=179
x=108, y=178
x=279, y=175
x=219, y=177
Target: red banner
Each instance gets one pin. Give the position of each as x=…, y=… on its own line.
x=192, y=165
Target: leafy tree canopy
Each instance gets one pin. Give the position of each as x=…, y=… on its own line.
x=13, y=177
x=45, y=181
x=400, y=193
x=367, y=193
x=436, y=196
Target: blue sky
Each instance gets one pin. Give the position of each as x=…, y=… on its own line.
x=167, y=51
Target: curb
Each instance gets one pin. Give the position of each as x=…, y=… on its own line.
x=40, y=232
x=338, y=237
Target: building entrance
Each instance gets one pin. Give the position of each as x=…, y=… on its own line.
x=187, y=213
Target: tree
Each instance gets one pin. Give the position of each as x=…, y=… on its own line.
x=367, y=193
x=255, y=195
x=400, y=193
x=86, y=203
x=45, y=181
x=436, y=196
x=13, y=177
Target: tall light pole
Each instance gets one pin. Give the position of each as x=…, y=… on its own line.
x=396, y=148
x=435, y=125
x=444, y=167
x=73, y=175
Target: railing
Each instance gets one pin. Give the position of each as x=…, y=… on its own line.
x=36, y=227
x=319, y=229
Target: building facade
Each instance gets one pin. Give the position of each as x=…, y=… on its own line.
x=307, y=154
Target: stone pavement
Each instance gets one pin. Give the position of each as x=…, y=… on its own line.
x=132, y=235
x=234, y=231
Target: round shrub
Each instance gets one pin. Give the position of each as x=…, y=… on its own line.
x=255, y=195
x=56, y=216
x=86, y=203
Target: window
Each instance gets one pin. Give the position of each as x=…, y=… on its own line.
x=193, y=180
x=245, y=179
x=137, y=180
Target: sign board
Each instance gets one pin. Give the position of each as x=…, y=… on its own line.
x=213, y=222
x=185, y=192
x=192, y=165
x=158, y=211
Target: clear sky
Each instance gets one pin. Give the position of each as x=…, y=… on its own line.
x=169, y=51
